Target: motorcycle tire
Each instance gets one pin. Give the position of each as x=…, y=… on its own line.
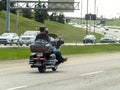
x=42, y=69
x=54, y=68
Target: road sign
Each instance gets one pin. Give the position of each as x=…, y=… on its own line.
x=51, y=5
x=61, y=5
x=90, y=17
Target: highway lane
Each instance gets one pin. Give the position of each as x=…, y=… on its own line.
x=115, y=32
x=101, y=30
x=81, y=72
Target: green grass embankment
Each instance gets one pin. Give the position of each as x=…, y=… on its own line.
x=15, y=53
x=90, y=49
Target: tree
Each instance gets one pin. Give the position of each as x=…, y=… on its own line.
x=61, y=18
x=3, y=6
x=45, y=13
x=58, y=18
x=13, y=10
x=27, y=13
x=54, y=17
x=41, y=13
x=0, y=5
x=4, y=2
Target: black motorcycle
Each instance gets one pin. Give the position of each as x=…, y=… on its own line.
x=42, y=56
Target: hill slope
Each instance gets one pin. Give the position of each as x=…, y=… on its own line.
x=68, y=32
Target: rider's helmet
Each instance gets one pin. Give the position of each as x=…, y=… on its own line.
x=42, y=29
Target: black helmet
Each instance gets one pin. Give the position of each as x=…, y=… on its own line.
x=42, y=29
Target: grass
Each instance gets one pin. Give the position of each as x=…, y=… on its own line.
x=113, y=22
x=90, y=49
x=15, y=53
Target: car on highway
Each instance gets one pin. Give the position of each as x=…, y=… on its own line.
x=106, y=28
x=28, y=37
x=109, y=39
x=9, y=38
x=89, y=39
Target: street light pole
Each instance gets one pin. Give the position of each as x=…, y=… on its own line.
x=17, y=21
x=81, y=10
x=86, y=19
x=94, y=13
x=8, y=17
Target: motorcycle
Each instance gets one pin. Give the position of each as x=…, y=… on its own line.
x=42, y=56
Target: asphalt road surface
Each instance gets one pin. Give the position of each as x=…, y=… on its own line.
x=81, y=72
x=101, y=30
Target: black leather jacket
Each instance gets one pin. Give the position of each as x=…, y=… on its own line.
x=43, y=36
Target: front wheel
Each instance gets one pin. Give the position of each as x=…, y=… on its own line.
x=27, y=44
x=11, y=43
x=42, y=69
x=17, y=43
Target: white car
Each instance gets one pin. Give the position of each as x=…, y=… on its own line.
x=9, y=38
x=89, y=39
x=28, y=37
x=109, y=39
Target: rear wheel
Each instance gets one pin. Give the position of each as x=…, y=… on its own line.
x=27, y=44
x=54, y=68
x=42, y=69
x=20, y=44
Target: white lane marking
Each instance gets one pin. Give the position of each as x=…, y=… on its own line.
x=14, y=88
x=13, y=68
x=91, y=73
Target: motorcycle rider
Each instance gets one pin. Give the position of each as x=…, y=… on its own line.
x=43, y=35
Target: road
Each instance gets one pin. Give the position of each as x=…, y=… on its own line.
x=115, y=32
x=101, y=30
x=100, y=71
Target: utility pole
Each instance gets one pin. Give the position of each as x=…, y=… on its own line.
x=94, y=14
x=8, y=17
x=81, y=10
x=17, y=20
x=87, y=20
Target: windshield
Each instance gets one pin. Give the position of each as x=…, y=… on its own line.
x=30, y=33
x=108, y=37
x=6, y=35
x=89, y=36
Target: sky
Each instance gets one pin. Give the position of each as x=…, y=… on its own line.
x=105, y=8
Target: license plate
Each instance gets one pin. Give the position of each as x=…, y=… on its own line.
x=40, y=54
x=38, y=64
